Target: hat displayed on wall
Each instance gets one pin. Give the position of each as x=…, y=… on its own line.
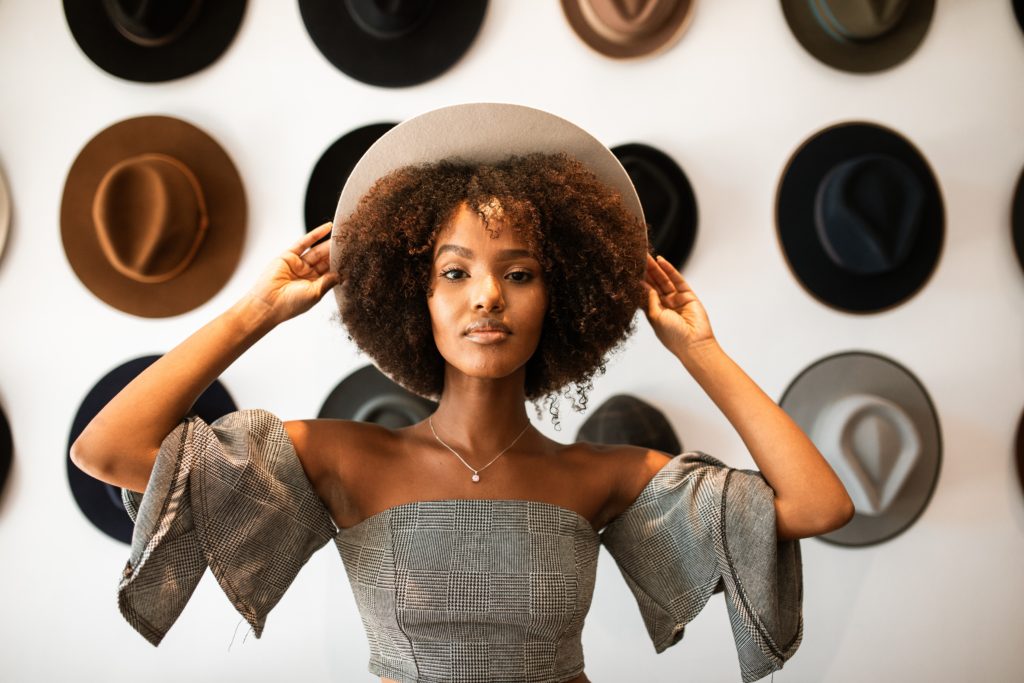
x=626, y=419
x=393, y=44
x=875, y=424
x=625, y=30
x=1018, y=11
x=667, y=198
x=860, y=36
x=1020, y=450
x=153, y=41
x=860, y=217
x=101, y=502
x=153, y=216
x=332, y=170
x=367, y=395
x=1017, y=218
x=5, y=213
x=6, y=449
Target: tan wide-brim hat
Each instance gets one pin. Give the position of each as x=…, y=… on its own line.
x=153, y=216
x=877, y=427
x=624, y=30
x=867, y=36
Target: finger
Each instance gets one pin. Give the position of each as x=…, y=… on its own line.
x=674, y=277
x=654, y=306
x=310, y=238
x=658, y=278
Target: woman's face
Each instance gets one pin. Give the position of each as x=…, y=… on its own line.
x=481, y=282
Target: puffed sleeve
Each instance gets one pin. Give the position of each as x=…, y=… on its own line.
x=231, y=496
x=698, y=523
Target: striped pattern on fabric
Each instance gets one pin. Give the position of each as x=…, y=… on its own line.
x=696, y=522
x=473, y=590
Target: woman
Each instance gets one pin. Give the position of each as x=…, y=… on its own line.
x=471, y=539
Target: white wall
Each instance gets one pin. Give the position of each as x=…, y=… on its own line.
x=730, y=102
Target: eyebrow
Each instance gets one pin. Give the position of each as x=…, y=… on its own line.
x=504, y=254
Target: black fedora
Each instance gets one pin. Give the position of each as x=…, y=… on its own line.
x=101, y=502
x=1017, y=217
x=394, y=44
x=626, y=419
x=860, y=36
x=860, y=217
x=667, y=197
x=332, y=170
x=367, y=395
x=1018, y=11
x=153, y=41
x=6, y=449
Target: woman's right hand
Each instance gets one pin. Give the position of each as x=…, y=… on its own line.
x=297, y=278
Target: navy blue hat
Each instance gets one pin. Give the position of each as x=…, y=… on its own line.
x=153, y=41
x=860, y=217
x=99, y=501
x=667, y=199
x=392, y=44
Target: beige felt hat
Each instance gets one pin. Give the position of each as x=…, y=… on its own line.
x=153, y=216
x=624, y=29
x=876, y=426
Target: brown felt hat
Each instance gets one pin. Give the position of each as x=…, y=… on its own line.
x=153, y=216
x=624, y=29
x=860, y=36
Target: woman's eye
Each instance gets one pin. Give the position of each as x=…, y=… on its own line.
x=515, y=276
x=445, y=273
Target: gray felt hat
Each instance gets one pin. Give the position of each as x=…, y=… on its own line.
x=875, y=424
x=625, y=419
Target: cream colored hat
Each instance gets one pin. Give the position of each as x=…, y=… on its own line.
x=875, y=424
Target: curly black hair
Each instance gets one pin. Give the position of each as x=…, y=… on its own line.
x=591, y=249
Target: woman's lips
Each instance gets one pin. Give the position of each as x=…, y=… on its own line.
x=487, y=336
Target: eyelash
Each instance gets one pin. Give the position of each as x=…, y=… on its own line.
x=454, y=269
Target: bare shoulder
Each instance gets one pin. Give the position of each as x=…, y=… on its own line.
x=628, y=470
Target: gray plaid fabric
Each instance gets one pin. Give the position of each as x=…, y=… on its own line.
x=696, y=522
x=459, y=590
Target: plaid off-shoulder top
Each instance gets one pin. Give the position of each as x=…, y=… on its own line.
x=470, y=590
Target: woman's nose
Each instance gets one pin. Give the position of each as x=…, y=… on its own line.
x=488, y=294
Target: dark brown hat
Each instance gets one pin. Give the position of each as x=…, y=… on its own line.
x=623, y=29
x=860, y=217
x=861, y=36
x=153, y=41
x=153, y=216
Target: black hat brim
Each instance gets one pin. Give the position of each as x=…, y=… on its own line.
x=1017, y=220
x=351, y=399
x=200, y=45
x=673, y=239
x=416, y=57
x=332, y=170
x=6, y=449
x=794, y=210
x=99, y=501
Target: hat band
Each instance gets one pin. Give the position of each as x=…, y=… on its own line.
x=152, y=24
x=144, y=210
x=873, y=446
x=624, y=21
x=857, y=20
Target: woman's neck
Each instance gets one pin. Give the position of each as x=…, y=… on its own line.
x=480, y=417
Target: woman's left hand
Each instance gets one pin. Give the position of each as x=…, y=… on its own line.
x=675, y=313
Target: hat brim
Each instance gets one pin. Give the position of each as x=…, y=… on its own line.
x=355, y=396
x=6, y=449
x=855, y=372
x=647, y=46
x=1017, y=220
x=674, y=240
x=879, y=54
x=794, y=210
x=333, y=168
x=1020, y=451
x=210, y=34
x=100, y=502
x=221, y=184
x=5, y=213
x=415, y=57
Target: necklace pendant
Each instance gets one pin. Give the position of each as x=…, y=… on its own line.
x=476, y=477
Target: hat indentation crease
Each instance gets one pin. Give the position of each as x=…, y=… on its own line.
x=387, y=19
x=860, y=20
x=152, y=24
x=620, y=20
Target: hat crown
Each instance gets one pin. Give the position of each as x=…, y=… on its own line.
x=618, y=20
x=657, y=195
x=393, y=411
x=389, y=18
x=873, y=445
x=152, y=24
x=858, y=19
x=867, y=213
x=626, y=419
x=150, y=217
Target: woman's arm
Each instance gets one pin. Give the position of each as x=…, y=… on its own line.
x=809, y=497
x=120, y=444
